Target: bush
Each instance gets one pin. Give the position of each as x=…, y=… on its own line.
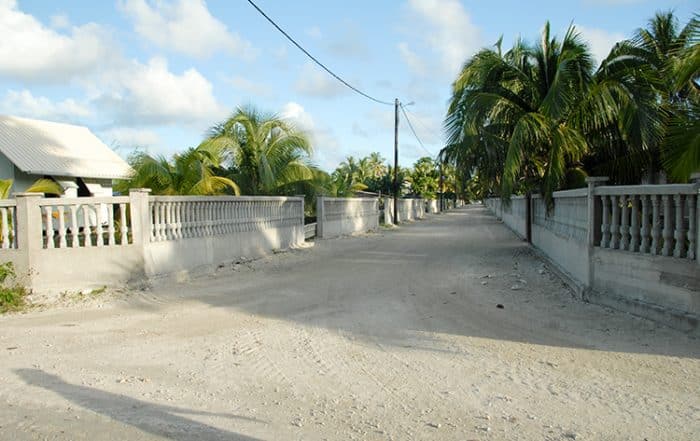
x=12, y=298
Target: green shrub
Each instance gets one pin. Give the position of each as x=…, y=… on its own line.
x=12, y=298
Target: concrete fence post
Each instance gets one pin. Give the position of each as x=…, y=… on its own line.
x=695, y=178
x=29, y=235
x=593, y=222
x=140, y=216
x=319, y=216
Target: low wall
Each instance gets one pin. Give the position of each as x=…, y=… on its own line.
x=431, y=206
x=138, y=237
x=634, y=248
x=561, y=234
x=341, y=216
x=199, y=233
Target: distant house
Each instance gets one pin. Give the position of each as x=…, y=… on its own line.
x=71, y=155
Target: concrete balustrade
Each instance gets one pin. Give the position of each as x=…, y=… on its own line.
x=59, y=244
x=630, y=247
x=342, y=216
x=7, y=224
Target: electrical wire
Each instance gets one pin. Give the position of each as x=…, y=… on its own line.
x=408, y=120
x=355, y=89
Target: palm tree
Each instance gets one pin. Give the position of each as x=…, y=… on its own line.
x=523, y=118
x=656, y=67
x=43, y=185
x=193, y=172
x=521, y=103
x=268, y=155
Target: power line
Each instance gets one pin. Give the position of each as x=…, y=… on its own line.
x=355, y=89
x=408, y=120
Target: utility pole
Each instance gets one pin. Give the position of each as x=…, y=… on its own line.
x=396, y=161
x=442, y=197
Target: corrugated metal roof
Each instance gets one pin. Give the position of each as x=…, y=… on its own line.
x=55, y=149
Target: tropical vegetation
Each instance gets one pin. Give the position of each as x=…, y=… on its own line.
x=539, y=117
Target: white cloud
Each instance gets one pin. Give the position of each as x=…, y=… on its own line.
x=30, y=51
x=24, y=103
x=453, y=35
x=130, y=138
x=412, y=60
x=60, y=21
x=184, y=26
x=143, y=94
x=250, y=87
x=316, y=83
x=326, y=146
x=600, y=41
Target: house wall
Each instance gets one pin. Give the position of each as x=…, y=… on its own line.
x=7, y=168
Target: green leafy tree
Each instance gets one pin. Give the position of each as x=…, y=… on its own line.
x=522, y=118
x=193, y=172
x=268, y=156
x=425, y=178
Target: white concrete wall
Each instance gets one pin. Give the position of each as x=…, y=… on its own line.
x=668, y=282
x=142, y=237
x=514, y=215
x=561, y=235
x=432, y=206
x=342, y=216
x=659, y=287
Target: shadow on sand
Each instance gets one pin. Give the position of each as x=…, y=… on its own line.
x=156, y=419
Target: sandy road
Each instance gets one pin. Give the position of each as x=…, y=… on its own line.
x=390, y=336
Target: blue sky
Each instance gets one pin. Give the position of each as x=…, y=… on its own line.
x=156, y=74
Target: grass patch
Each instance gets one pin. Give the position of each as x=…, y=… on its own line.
x=14, y=297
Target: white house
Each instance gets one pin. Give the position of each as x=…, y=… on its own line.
x=71, y=155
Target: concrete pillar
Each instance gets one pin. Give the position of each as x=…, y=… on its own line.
x=319, y=217
x=593, y=219
x=140, y=216
x=695, y=178
x=29, y=237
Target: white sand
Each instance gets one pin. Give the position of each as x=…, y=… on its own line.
x=390, y=336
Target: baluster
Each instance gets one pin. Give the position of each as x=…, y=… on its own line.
x=634, y=227
x=173, y=220
x=161, y=222
x=668, y=229
x=110, y=225
x=168, y=220
x=152, y=220
x=184, y=206
x=176, y=220
x=655, y=225
x=238, y=215
x=5, y=230
x=74, y=227
x=87, y=231
x=624, y=224
x=692, y=226
x=605, y=226
x=61, y=227
x=645, y=227
x=219, y=216
x=123, y=227
x=615, y=226
x=98, y=227
x=48, y=211
x=679, y=234
x=156, y=221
